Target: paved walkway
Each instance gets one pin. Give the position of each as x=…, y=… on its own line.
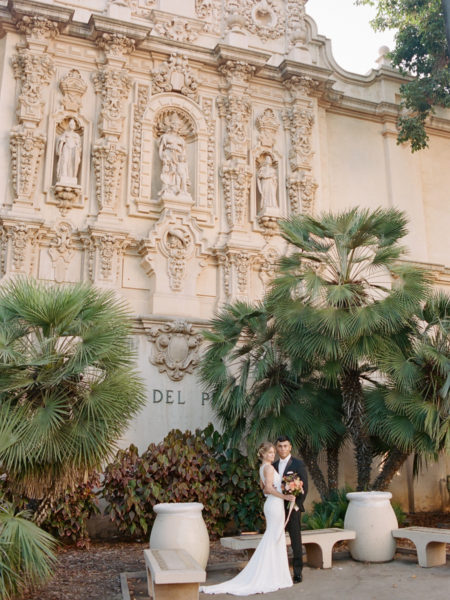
x=401, y=579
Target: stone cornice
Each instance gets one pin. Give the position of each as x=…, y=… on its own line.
x=99, y=25
x=256, y=58
x=20, y=8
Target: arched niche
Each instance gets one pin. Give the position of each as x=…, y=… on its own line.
x=195, y=135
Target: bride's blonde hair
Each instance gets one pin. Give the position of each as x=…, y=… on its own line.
x=264, y=449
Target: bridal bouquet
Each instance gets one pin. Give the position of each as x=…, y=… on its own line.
x=292, y=484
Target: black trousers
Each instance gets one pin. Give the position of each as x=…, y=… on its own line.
x=295, y=533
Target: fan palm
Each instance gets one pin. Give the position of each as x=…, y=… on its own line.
x=67, y=383
x=26, y=553
x=340, y=296
x=411, y=414
x=259, y=393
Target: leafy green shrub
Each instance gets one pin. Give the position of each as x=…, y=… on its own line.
x=399, y=513
x=64, y=517
x=329, y=513
x=179, y=469
x=184, y=467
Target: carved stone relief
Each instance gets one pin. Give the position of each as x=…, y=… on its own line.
x=235, y=265
x=268, y=265
x=173, y=129
x=116, y=44
x=176, y=348
x=73, y=88
x=175, y=75
x=113, y=87
x=136, y=146
x=207, y=107
x=264, y=18
x=26, y=148
x=298, y=120
x=180, y=30
x=236, y=178
x=61, y=251
x=35, y=27
x=34, y=71
x=20, y=242
x=296, y=23
x=104, y=255
x=178, y=246
x=267, y=125
x=108, y=159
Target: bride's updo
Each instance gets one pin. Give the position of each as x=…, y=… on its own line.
x=264, y=449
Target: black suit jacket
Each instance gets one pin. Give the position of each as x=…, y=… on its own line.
x=297, y=466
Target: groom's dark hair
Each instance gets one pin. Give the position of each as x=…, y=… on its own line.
x=284, y=438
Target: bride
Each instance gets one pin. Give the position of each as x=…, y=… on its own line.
x=268, y=568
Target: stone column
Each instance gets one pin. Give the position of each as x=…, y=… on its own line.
x=34, y=69
x=113, y=85
x=234, y=107
x=298, y=119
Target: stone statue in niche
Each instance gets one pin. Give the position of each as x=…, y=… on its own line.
x=172, y=152
x=267, y=181
x=68, y=151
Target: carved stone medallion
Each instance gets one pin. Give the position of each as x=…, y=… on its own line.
x=176, y=348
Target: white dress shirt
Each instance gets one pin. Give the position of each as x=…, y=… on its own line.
x=282, y=464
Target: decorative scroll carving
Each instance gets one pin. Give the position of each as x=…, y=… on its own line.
x=34, y=72
x=109, y=159
x=175, y=75
x=136, y=147
x=73, y=88
x=20, y=236
x=61, y=251
x=207, y=106
x=236, y=178
x=177, y=29
x=113, y=86
x=26, y=147
x=176, y=348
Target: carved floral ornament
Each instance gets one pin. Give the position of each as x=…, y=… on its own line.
x=116, y=44
x=37, y=28
x=267, y=125
x=176, y=348
x=176, y=29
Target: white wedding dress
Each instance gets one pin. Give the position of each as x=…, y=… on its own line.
x=268, y=568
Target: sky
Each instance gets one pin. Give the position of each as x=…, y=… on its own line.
x=354, y=43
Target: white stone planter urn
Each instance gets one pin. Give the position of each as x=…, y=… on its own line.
x=372, y=517
x=181, y=526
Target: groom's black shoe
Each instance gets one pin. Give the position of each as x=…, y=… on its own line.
x=297, y=579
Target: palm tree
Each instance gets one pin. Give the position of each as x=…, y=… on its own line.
x=26, y=553
x=340, y=296
x=411, y=412
x=259, y=393
x=68, y=386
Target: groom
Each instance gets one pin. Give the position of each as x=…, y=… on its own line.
x=288, y=465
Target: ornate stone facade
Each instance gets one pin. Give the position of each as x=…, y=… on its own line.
x=153, y=151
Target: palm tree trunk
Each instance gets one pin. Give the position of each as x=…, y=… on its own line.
x=391, y=465
x=310, y=457
x=354, y=417
x=333, y=467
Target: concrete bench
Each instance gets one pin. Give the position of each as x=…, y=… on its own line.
x=172, y=575
x=429, y=542
x=318, y=544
